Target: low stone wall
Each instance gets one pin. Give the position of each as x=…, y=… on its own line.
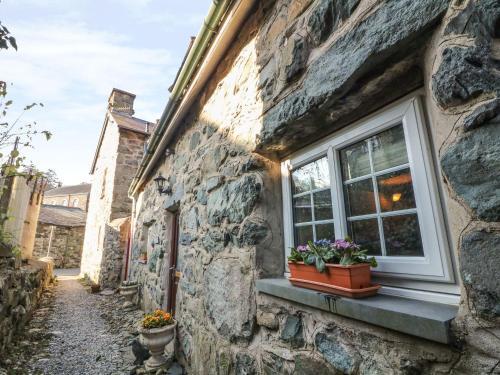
x=66, y=245
x=20, y=291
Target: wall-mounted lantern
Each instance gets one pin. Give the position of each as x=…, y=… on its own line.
x=160, y=185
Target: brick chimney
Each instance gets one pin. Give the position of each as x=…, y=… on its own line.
x=121, y=101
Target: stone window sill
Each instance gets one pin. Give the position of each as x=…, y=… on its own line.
x=427, y=320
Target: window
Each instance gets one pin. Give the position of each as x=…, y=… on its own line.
x=373, y=181
x=75, y=202
x=103, y=185
x=65, y=202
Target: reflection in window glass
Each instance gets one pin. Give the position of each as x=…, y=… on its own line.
x=402, y=236
x=312, y=202
x=355, y=160
x=323, y=205
x=302, y=208
x=366, y=234
x=359, y=197
x=389, y=149
x=325, y=231
x=303, y=234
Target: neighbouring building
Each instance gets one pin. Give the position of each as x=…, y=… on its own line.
x=20, y=201
x=21, y=283
x=119, y=151
x=298, y=120
x=69, y=196
x=60, y=234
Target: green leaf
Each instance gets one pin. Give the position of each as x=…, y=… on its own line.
x=310, y=259
x=320, y=264
x=47, y=134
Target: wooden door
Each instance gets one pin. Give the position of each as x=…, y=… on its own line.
x=173, y=273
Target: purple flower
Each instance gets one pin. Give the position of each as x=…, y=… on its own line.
x=342, y=244
x=302, y=248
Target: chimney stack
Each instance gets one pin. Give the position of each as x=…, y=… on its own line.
x=121, y=101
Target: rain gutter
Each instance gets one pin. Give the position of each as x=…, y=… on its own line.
x=219, y=29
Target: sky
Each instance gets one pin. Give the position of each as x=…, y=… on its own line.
x=71, y=53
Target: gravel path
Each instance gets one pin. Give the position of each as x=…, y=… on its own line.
x=74, y=332
x=80, y=339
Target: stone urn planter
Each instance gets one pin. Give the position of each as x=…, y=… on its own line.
x=352, y=281
x=155, y=339
x=128, y=291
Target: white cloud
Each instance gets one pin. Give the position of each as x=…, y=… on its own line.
x=72, y=69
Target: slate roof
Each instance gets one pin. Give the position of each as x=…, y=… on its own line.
x=132, y=123
x=70, y=189
x=62, y=216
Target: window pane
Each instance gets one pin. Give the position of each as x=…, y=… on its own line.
x=325, y=231
x=355, y=160
x=389, y=149
x=322, y=205
x=301, y=179
x=366, y=234
x=314, y=175
x=396, y=191
x=402, y=236
x=302, y=208
x=303, y=235
x=320, y=174
x=359, y=197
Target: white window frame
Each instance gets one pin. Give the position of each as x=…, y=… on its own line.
x=436, y=265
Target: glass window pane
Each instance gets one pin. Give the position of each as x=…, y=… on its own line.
x=366, y=234
x=322, y=205
x=402, y=236
x=303, y=235
x=302, y=208
x=355, y=160
x=320, y=174
x=389, y=149
x=359, y=198
x=396, y=191
x=325, y=231
x=301, y=179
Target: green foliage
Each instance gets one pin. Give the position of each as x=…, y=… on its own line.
x=319, y=253
x=6, y=38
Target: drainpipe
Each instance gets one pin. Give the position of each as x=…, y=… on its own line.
x=196, y=53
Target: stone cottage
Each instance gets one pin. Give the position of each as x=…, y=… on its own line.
x=69, y=196
x=298, y=120
x=59, y=235
x=119, y=151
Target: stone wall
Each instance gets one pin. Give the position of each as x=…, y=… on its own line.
x=109, y=204
x=66, y=245
x=20, y=291
x=298, y=71
x=69, y=198
x=100, y=201
x=130, y=150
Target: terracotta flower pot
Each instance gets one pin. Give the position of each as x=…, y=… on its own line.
x=348, y=281
x=155, y=339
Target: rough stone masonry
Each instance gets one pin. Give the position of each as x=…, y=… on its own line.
x=297, y=72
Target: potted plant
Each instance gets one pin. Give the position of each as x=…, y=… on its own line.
x=338, y=267
x=128, y=289
x=157, y=330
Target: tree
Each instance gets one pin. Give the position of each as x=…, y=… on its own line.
x=6, y=39
x=15, y=135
